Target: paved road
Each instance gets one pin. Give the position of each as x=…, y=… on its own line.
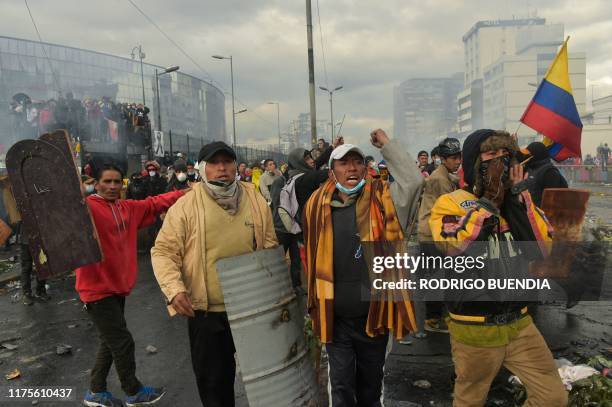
x=581, y=331
x=44, y=326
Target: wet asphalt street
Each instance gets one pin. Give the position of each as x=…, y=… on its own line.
x=36, y=331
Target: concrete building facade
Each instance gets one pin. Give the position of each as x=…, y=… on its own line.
x=425, y=110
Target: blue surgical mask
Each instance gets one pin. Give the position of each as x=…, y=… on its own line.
x=350, y=191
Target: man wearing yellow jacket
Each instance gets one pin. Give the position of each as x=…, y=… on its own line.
x=489, y=333
x=221, y=217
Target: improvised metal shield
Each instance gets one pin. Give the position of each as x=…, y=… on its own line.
x=47, y=189
x=267, y=324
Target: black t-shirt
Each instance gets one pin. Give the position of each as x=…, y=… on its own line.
x=351, y=279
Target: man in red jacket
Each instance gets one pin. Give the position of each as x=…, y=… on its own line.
x=103, y=286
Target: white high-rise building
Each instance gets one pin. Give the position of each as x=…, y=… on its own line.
x=511, y=81
x=484, y=44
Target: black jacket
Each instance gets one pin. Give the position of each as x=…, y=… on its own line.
x=543, y=174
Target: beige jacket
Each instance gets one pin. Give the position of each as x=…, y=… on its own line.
x=179, y=254
x=440, y=182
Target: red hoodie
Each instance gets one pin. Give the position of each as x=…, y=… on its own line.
x=117, y=224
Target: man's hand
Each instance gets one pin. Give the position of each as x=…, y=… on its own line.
x=182, y=305
x=379, y=138
x=338, y=141
x=517, y=174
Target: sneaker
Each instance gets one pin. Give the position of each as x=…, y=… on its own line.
x=27, y=299
x=146, y=396
x=102, y=399
x=436, y=325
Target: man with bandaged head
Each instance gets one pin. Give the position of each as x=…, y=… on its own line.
x=488, y=332
x=221, y=217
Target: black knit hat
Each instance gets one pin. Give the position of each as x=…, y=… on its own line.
x=180, y=165
x=471, y=152
x=213, y=148
x=538, y=150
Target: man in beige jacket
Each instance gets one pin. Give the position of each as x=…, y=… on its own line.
x=220, y=218
x=442, y=180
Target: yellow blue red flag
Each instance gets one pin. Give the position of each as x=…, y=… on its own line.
x=553, y=113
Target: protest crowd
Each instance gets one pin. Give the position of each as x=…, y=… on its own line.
x=330, y=209
x=452, y=195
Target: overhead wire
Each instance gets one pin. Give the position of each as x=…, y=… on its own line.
x=40, y=41
x=322, y=46
x=210, y=77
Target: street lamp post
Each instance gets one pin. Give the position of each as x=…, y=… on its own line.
x=331, y=107
x=141, y=55
x=233, y=102
x=277, y=123
x=159, y=126
x=157, y=75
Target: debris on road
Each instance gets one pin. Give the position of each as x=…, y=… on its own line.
x=14, y=374
x=63, y=349
x=151, y=349
x=422, y=384
x=72, y=326
x=9, y=346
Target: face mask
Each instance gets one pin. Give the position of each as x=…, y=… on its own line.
x=181, y=176
x=438, y=161
x=350, y=191
x=191, y=172
x=152, y=173
x=89, y=189
x=505, y=161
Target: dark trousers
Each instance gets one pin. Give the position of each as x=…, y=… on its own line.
x=356, y=364
x=212, y=357
x=290, y=242
x=116, y=345
x=26, y=272
x=433, y=309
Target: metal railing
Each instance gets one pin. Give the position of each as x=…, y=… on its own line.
x=584, y=173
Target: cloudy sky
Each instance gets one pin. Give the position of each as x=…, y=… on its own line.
x=370, y=46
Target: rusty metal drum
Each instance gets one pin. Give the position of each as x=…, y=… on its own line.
x=267, y=323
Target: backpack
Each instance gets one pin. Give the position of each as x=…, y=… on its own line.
x=289, y=203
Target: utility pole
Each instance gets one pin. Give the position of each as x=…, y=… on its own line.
x=311, y=79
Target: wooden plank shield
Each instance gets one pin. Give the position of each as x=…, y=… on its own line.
x=47, y=189
x=565, y=209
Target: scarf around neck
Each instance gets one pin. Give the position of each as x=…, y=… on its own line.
x=227, y=197
x=380, y=229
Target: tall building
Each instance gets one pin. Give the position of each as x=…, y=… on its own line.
x=425, y=110
x=510, y=82
x=484, y=44
x=302, y=131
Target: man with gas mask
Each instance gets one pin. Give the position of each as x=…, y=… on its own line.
x=221, y=217
x=442, y=180
x=493, y=214
x=347, y=214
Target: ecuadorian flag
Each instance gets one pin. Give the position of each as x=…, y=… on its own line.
x=553, y=113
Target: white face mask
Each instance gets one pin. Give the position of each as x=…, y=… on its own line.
x=89, y=189
x=181, y=176
x=152, y=173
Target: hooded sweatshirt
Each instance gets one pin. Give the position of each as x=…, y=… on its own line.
x=117, y=224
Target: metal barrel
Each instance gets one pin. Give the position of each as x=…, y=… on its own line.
x=267, y=324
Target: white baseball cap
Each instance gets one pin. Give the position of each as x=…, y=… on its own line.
x=342, y=150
